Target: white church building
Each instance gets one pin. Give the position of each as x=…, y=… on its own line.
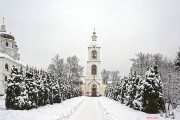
x=9, y=56
x=93, y=85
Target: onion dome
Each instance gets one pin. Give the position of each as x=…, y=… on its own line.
x=3, y=35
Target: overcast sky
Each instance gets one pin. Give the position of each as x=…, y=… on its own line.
x=43, y=28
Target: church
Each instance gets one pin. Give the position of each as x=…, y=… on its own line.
x=93, y=85
x=9, y=57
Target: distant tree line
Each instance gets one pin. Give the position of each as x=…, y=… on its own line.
x=38, y=88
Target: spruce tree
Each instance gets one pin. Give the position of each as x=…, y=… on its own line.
x=177, y=60
x=124, y=91
x=16, y=94
x=10, y=96
x=132, y=89
x=152, y=99
x=137, y=102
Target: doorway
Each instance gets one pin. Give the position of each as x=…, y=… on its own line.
x=93, y=92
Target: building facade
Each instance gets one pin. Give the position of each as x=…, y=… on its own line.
x=9, y=57
x=93, y=85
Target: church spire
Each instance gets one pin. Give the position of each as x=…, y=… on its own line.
x=94, y=37
x=3, y=27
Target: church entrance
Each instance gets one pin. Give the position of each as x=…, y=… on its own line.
x=94, y=92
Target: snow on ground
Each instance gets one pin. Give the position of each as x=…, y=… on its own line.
x=89, y=110
x=114, y=110
x=81, y=108
x=59, y=111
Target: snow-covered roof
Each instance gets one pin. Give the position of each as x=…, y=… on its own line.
x=4, y=55
x=4, y=35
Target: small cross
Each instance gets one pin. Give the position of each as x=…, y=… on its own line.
x=3, y=20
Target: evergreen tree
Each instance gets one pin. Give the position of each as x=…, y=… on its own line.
x=124, y=91
x=152, y=99
x=137, y=102
x=32, y=91
x=132, y=89
x=177, y=60
x=56, y=92
x=16, y=96
x=49, y=89
x=10, y=96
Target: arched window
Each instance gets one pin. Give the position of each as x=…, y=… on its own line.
x=94, y=54
x=93, y=69
x=6, y=66
x=7, y=44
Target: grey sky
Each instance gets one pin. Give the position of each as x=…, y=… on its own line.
x=43, y=28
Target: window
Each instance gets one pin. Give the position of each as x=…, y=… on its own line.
x=93, y=69
x=7, y=44
x=6, y=66
x=94, y=54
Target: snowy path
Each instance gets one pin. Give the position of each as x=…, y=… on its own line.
x=89, y=110
x=81, y=108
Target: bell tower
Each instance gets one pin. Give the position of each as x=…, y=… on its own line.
x=93, y=63
x=93, y=82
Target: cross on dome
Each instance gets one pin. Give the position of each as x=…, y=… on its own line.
x=94, y=33
x=3, y=27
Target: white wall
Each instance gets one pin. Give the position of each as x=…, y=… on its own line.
x=4, y=72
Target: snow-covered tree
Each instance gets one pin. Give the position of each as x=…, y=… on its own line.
x=57, y=68
x=10, y=90
x=177, y=60
x=65, y=71
x=113, y=88
x=152, y=95
x=132, y=89
x=74, y=69
x=124, y=91
x=16, y=94
x=105, y=76
x=31, y=87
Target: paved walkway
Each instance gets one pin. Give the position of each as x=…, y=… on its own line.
x=89, y=110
